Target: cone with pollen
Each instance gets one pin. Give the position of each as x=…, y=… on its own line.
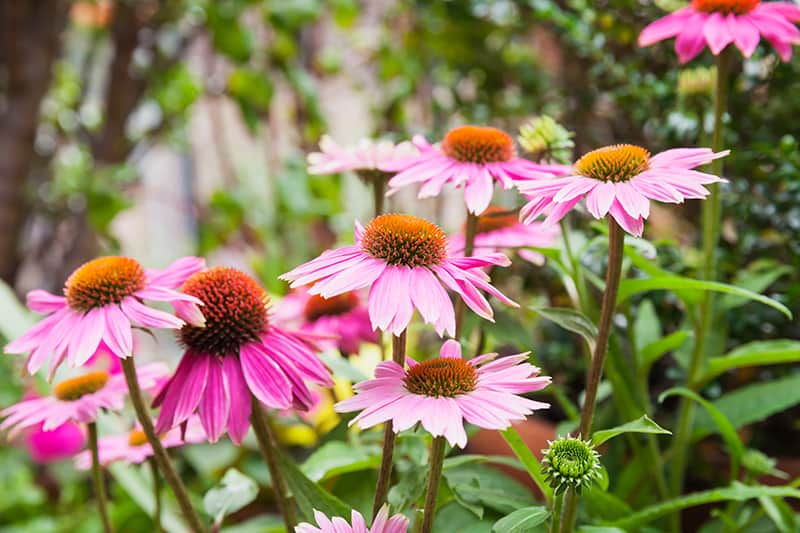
x=239, y=354
x=472, y=157
x=103, y=299
x=620, y=181
x=405, y=263
x=444, y=392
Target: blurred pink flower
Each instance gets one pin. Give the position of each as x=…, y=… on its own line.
x=102, y=300
x=340, y=321
x=405, y=262
x=500, y=230
x=441, y=393
x=367, y=156
x=236, y=355
x=77, y=399
x=719, y=23
x=620, y=180
x=470, y=156
x=382, y=524
x=57, y=444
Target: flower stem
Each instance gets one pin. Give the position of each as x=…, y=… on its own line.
x=469, y=247
x=616, y=241
x=436, y=461
x=156, y=495
x=378, y=194
x=389, y=436
x=555, y=517
x=711, y=220
x=269, y=449
x=160, y=454
x=97, y=479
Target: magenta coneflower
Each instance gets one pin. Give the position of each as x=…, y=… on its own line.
x=55, y=445
x=621, y=180
x=719, y=23
x=78, y=399
x=132, y=447
x=443, y=392
x=498, y=229
x=102, y=300
x=341, y=321
x=238, y=353
x=365, y=157
x=382, y=524
x=470, y=156
x=405, y=262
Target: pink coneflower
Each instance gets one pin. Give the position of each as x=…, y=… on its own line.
x=470, y=156
x=621, y=180
x=341, y=322
x=102, y=300
x=238, y=353
x=368, y=156
x=719, y=23
x=57, y=444
x=498, y=229
x=443, y=392
x=405, y=262
x=382, y=524
x=132, y=447
x=77, y=399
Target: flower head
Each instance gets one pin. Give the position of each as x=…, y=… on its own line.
x=620, y=180
x=55, y=445
x=719, y=23
x=472, y=157
x=340, y=322
x=132, y=446
x=365, y=159
x=570, y=463
x=405, y=262
x=443, y=392
x=500, y=229
x=238, y=354
x=78, y=399
x=102, y=301
x=545, y=138
x=382, y=524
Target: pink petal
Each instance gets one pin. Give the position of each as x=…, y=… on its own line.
x=632, y=225
x=148, y=317
x=240, y=403
x=264, y=378
x=44, y=302
x=690, y=40
x=717, y=33
x=86, y=337
x=215, y=405
x=745, y=34
x=450, y=349
x=599, y=199
x=175, y=274
x=664, y=28
x=118, y=335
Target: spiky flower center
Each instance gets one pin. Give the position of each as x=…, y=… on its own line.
x=235, y=308
x=619, y=162
x=495, y=218
x=570, y=463
x=444, y=376
x=404, y=240
x=103, y=281
x=477, y=144
x=317, y=306
x=725, y=7
x=74, y=389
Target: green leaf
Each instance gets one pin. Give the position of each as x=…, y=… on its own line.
x=781, y=514
x=650, y=353
x=630, y=287
x=735, y=492
x=751, y=403
x=309, y=495
x=605, y=505
x=754, y=354
x=600, y=529
x=235, y=490
x=522, y=520
x=530, y=461
x=571, y=320
x=643, y=424
x=646, y=327
x=140, y=490
x=478, y=486
x=16, y=319
x=726, y=429
x=335, y=458
x=342, y=367
x=458, y=460
x=757, y=278
x=453, y=517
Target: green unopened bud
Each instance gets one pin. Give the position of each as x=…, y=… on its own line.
x=697, y=81
x=544, y=138
x=570, y=463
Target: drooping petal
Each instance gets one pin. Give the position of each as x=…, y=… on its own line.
x=240, y=403
x=44, y=302
x=215, y=403
x=264, y=378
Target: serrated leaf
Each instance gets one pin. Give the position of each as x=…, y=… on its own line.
x=754, y=354
x=571, y=320
x=522, y=520
x=643, y=424
x=235, y=490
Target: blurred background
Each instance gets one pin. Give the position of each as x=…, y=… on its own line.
x=158, y=129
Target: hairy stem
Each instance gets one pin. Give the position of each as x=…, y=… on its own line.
x=436, y=461
x=97, y=480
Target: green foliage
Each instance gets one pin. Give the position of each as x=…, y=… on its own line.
x=641, y=425
x=235, y=490
x=522, y=520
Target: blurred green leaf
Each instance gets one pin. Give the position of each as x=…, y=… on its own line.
x=336, y=458
x=757, y=353
x=234, y=491
x=643, y=424
x=571, y=320
x=308, y=495
x=522, y=520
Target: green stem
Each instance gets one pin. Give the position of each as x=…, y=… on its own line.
x=711, y=219
x=555, y=518
x=269, y=450
x=156, y=495
x=469, y=247
x=575, y=266
x=436, y=461
x=389, y=436
x=616, y=241
x=160, y=454
x=526, y=457
x=97, y=479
